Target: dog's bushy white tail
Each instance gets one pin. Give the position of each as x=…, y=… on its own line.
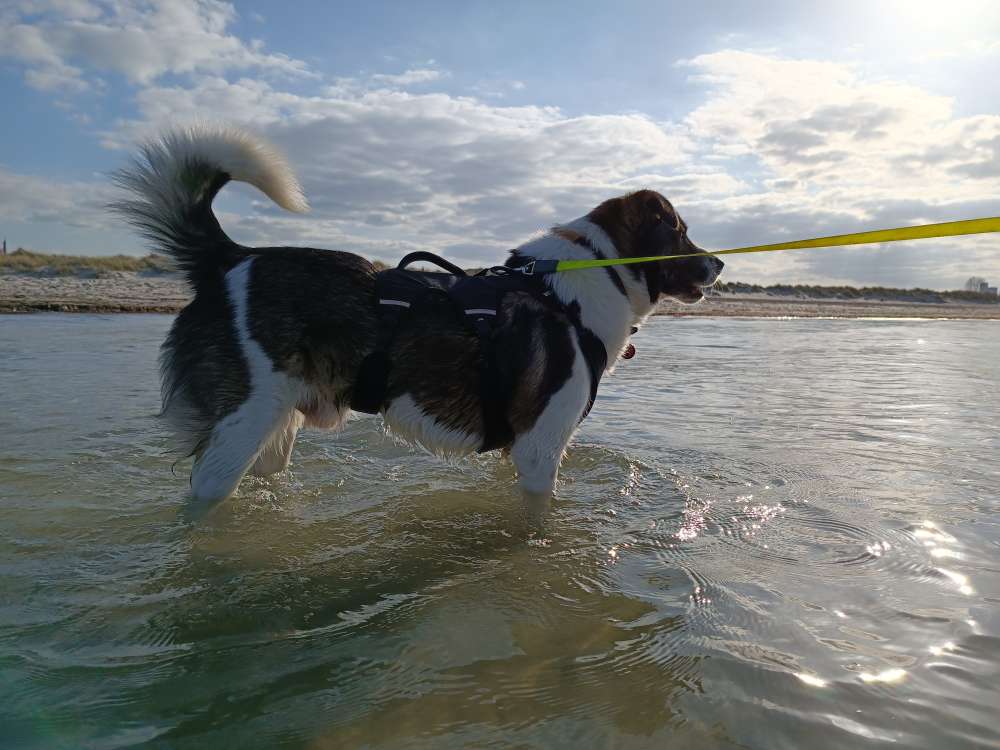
x=175, y=178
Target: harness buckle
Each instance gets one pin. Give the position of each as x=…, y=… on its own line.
x=539, y=267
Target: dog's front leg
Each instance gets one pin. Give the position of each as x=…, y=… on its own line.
x=537, y=463
x=538, y=452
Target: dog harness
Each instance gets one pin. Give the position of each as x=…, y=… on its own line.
x=477, y=299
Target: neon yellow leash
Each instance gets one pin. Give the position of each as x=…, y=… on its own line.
x=924, y=231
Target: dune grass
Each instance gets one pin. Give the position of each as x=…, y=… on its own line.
x=29, y=261
x=26, y=261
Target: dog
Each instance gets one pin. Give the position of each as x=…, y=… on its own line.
x=274, y=337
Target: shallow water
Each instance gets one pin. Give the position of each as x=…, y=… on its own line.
x=768, y=534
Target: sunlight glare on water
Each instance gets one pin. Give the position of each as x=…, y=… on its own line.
x=768, y=534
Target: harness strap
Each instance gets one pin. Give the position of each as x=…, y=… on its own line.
x=437, y=260
x=478, y=298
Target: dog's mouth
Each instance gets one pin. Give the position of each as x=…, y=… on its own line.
x=688, y=283
x=692, y=294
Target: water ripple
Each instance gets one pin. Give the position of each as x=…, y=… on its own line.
x=767, y=534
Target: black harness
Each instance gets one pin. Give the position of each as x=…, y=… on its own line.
x=478, y=298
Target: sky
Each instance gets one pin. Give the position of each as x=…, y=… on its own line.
x=465, y=128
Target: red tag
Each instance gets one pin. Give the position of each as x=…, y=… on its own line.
x=629, y=352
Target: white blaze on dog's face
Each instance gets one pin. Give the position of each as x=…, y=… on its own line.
x=643, y=224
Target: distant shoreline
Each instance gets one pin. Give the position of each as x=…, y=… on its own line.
x=158, y=292
x=765, y=306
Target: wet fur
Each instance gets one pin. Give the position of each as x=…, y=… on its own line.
x=274, y=337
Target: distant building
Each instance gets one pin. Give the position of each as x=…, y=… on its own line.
x=983, y=286
x=991, y=290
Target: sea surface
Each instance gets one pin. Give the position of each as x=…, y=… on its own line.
x=768, y=534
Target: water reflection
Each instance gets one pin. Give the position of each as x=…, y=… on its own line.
x=811, y=680
x=886, y=675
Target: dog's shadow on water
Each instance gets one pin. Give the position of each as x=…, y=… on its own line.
x=274, y=559
x=289, y=556
x=319, y=593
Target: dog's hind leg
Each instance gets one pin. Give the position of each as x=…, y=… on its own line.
x=278, y=452
x=237, y=439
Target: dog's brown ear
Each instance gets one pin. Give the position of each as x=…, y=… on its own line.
x=649, y=207
x=654, y=206
x=660, y=209
x=673, y=218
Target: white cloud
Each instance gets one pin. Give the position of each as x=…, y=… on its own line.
x=138, y=40
x=27, y=198
x=431, y=170
x=839, y=152
x=409, y=78
x=830, y=152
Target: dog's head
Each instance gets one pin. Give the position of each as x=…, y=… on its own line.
x=644, y=223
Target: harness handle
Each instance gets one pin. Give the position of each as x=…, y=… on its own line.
x=430, y=258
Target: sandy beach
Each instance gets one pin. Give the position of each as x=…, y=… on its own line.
x=125, y=291
x=103, y=292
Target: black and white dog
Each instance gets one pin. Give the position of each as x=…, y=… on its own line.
x=274, y=337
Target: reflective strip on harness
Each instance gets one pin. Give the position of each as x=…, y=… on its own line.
x=480, y=312
x=397, y=302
